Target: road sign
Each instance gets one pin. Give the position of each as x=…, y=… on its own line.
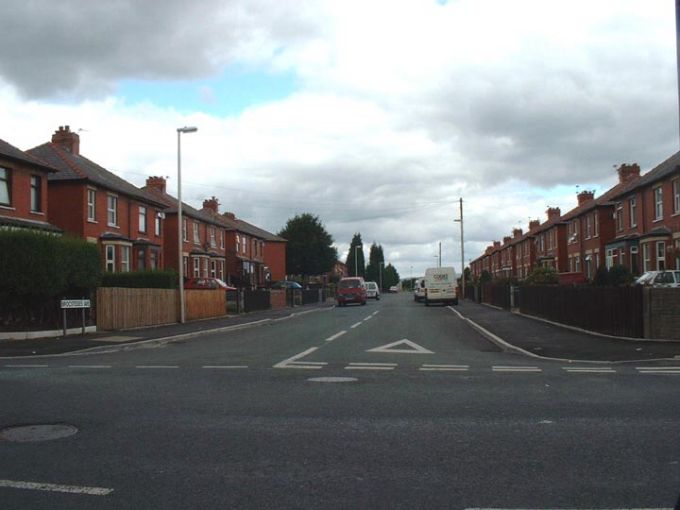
x=414, y=348
x=75, y=303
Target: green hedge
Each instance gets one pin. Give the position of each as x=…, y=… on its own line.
x=142, y=280
x=37, y=269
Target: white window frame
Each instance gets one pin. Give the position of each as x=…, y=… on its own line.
x=596, y=224
x=589, y=226
x=153, y=259
x=221, y=239
x=632, y=210
x=609, y=260
x=197, y=233
x=619, y=216
x=91, y=205
x=658, y=203
x=157, y=224
x=185, y=230
x=213, y=238
x=110, y=255
x=36, y=193
x=213, y=269
x=112, y=210
x=124, y=259
x=646, y=258
x=676, y=197
x=6, y=185
x=660, y=255
x=197, y=267
x=142, y=219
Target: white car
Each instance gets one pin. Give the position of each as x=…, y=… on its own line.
x=419, y=290
x=660, y=279
x=372, y=290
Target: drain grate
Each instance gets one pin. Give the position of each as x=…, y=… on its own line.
x=37, y=432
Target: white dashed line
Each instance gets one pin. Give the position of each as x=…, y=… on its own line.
x=444, y=368
x=589, y=370
x=51, y=487
x=89, y=366
x=371, y=366
x=156, y=366
x=376, y=313
x=659, y=370
x=337, y=335
x=368, y=318
x=355, y=325
x=496, y=368
x=26, y=366
x=224, y=366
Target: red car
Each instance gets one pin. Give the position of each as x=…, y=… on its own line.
x=206, y=284
x=351, y=290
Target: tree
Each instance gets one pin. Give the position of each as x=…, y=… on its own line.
x=375, y=259
x=358, y=254
x=620, y=276
x=309, y=250
x=390, y=276
x=601, y=277
x=542, y=276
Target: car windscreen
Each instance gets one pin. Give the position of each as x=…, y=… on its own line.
x=349, y=284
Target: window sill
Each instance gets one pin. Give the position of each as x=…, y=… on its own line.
x=657, y=220
x=92, y=221
x=113, y=226
x=37, y=213
x=7, y=208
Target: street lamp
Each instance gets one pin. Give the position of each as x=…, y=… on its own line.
x=356, y=264
x=180, y=236
x=380, y=266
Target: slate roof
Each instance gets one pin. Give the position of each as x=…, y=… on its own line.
x=248, y=228
x=11, y=152
x=171, y=203
x=74, y=167
x=659, y=172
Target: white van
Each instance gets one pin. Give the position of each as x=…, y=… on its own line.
x=441, y=286
x=419, y=290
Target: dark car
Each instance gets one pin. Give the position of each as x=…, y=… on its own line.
x=351, y=290
x=206, y=284
x=286, y=284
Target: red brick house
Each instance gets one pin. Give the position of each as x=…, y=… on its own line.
x=551, y=242
x=204, y=234
x=525, y=251
x=647, y=221
x=90, y=202
x=23, y=191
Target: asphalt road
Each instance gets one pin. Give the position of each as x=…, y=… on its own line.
x=429, y=414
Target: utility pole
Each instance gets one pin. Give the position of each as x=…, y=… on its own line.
x=440, y=251
x=462, y=245
x=677, y=46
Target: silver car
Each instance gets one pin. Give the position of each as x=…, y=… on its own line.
x=660, y=279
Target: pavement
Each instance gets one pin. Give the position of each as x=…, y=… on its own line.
x=510, y=331
x=106, y=340
x=534, y=337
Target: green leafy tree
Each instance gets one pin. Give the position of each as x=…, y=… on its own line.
x=358, y=254
x=601, y=277
x=390, y=276
x=620, y=276
x=309, y=250
x=485, y=277
x=375, y=259
x=542, y=276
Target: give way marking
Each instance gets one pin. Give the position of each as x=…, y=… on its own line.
x=413, y=348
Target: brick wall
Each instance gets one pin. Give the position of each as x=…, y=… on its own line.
x=662, y=313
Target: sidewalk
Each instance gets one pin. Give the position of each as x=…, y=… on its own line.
x=107, y=339
x=551, y=341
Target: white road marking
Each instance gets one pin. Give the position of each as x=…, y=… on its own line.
x=355, y=325
x=376, y=312
x=337, y=335
x=26, y=366
x=51, y=487
x=156, y=366
x=368, y=367
x=89, y=366
x=375, y=364
x=428, y=365
x=293, y=363
x=571, y=509
x=444, y=368
x=589, y=370
x=659, y=370
x=225, y=366
x=368, y=318
x=414, y=348
x=498, y=368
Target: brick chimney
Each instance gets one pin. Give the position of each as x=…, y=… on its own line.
x=212, y=204
x=534, y=224
x=67, y=140
x=516, y=233
x=507, y=239
x=496, y=244
x=156, y=183
x=585, y=196
x=628, y=173
x=488, y=250
x=553, y=213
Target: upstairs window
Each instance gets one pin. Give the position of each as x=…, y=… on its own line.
x=185, y=235
x=157, y=224
x=112, y=211
x=213, y=239
x=589, y=226
x=658, y=203
x=619, y=216
x=36, y=193
x=142, y=219
x=676, y=197
x=632, y=210
x=5, y=187
x=197, y=235
x=91, y=205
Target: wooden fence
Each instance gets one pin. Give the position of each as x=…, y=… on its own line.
x=611, y=310
x=119, y=308
x=204, y=304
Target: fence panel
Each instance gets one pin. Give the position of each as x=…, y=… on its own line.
x=496, y=294
x=122, y=308
x=204, y=304
x=311, y=296
x=256, y=300
x=610, y=310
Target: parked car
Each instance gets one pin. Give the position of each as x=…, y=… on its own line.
x=351, y=290
x=206, y=284
x=419, y=290
x=440, y=286
x=372, y=290
x=394, y=289
x=660, y=279
x=286, y=284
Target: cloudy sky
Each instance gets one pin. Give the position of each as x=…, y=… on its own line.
x=376, y=115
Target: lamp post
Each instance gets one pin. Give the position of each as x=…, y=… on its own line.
x=462, y=248
x=356, y=264
x=380, y=267
x=180, y=230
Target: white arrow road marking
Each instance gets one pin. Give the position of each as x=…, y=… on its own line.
x=51, y=487
x=414, y=348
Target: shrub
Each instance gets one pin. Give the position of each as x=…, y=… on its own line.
x=542, y=276
x=601, y=278
x=620, y=276
x=166, y=279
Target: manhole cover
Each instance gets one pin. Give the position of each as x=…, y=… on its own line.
x=332, y=379
x=41, y=432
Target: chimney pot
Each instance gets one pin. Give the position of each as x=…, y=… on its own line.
x=212, y=204
x=585, y=196
x=628, y=173
x=67, y=140
x=156, y=182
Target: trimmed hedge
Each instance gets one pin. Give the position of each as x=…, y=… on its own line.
x=36, y=270
x=166, y=279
